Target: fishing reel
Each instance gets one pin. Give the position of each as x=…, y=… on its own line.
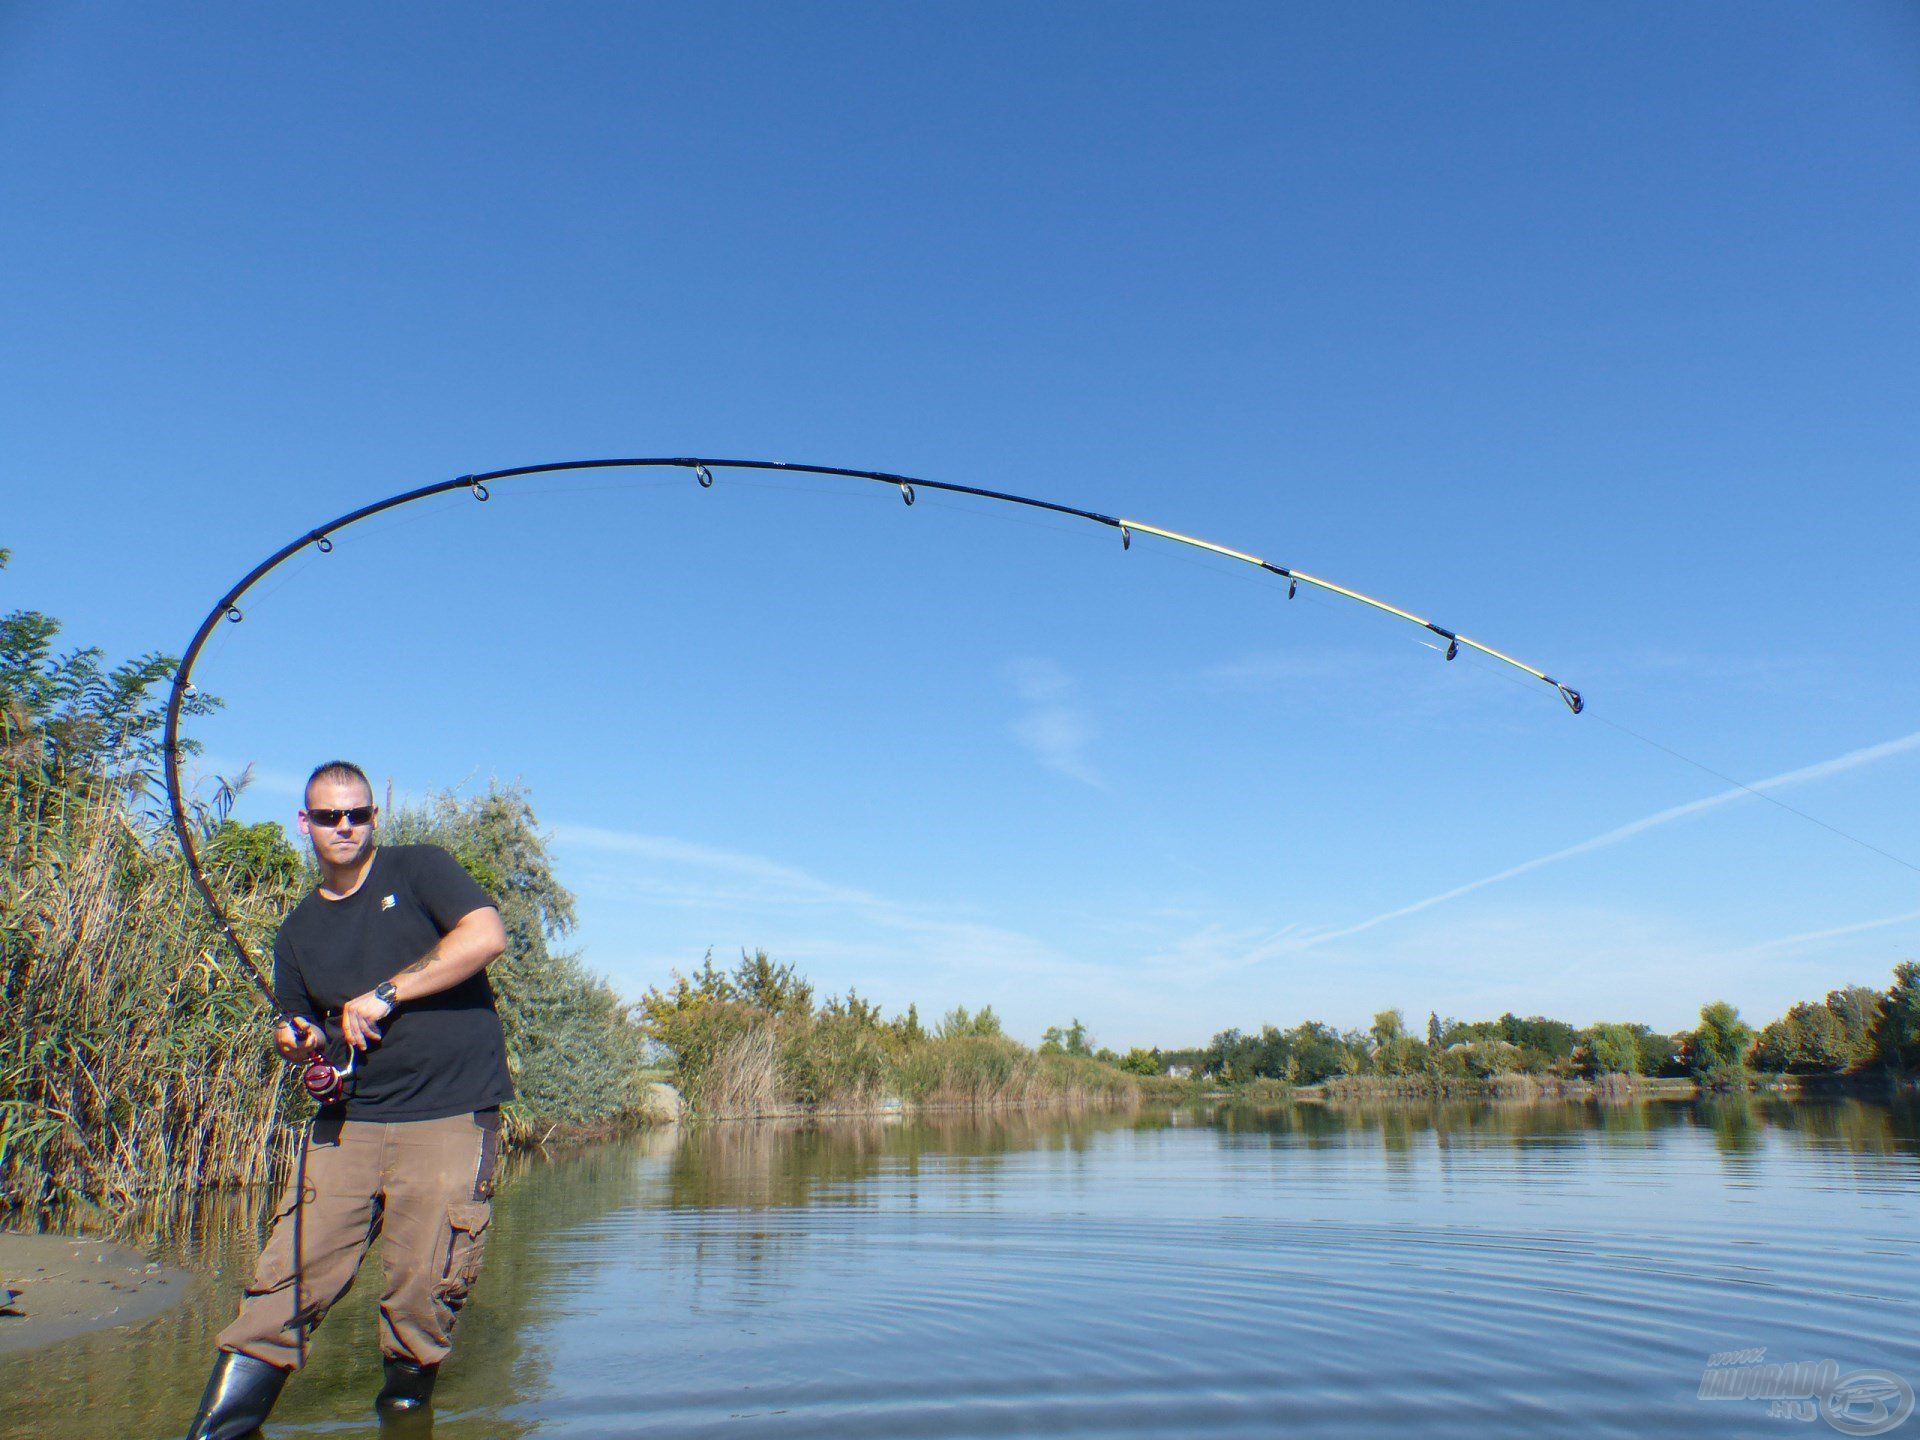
x=325, y=1081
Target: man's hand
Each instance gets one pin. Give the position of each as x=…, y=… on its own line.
x=361, y=1018
x=297, y=1044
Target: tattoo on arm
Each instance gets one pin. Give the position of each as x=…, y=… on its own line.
x=423, y=962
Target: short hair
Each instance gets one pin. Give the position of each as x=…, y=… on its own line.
x=336, y=770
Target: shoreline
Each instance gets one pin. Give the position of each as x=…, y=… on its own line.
x=1528, y=1088
x=71, y=1285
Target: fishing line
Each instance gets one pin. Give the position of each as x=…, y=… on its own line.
x=1761, y=794
x=1483, y=668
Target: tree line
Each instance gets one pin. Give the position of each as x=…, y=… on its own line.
x=1855, y=1030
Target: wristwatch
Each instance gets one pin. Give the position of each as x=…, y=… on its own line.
x=387, y=995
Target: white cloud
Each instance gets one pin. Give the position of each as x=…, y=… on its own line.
x=912, y=941
x=1054, y=728
x=756, y=877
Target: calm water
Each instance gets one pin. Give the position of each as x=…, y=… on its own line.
x=1463, y=1270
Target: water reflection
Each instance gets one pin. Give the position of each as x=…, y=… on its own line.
x=1460, y=1268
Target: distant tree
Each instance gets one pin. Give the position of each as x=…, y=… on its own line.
x=1659, y=1054
x=1066, y=1040
x=75, y=717
x=851, y=1009
x=1857, y=1008
x=1897, y=1032
x=1612, y=1049
x=1394, y=1051
x=1718, y=1046
x=1808, y=1039
x=1143, y=1062
x=907, y=1028
x=774, y=988
x=1542, y=1044
x=1433, y=1029
x=1319, y=1053
x=957, y=1022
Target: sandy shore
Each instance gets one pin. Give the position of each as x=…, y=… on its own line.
x=68, y=1285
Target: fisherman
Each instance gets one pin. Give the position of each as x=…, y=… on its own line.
x=385, y=962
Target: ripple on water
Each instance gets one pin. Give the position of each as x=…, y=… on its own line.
x=956, y=1302
x=1479, y=1272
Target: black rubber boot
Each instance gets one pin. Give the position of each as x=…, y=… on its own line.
x=409, y=1386
x=239, y=1396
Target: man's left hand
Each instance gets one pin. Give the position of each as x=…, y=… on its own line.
x=361, y=1018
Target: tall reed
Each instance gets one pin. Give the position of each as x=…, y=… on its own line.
x=773, y=1067
x=133, y=1061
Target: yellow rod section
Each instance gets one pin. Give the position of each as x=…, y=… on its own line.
x=1315, y=580
x=1190, y=540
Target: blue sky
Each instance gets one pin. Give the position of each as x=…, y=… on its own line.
x=1589, y=332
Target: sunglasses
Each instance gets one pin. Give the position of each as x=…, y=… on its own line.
x=327, y=819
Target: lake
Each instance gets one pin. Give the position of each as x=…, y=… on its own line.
x=1458, y=1269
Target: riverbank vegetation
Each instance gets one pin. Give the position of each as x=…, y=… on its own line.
x=134, y=1062
x=752, y=1041
x=1856, y=1035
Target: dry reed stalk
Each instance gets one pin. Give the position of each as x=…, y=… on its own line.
x=744, y=1079
x=132, y=1063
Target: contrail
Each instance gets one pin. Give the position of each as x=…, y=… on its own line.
x=1852, y=760
x=1788, y=941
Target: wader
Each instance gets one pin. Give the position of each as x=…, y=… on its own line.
x=424, y=1185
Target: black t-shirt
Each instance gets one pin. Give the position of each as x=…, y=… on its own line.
x=439, y=1055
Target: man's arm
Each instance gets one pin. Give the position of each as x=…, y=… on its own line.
x=294, y=1035
x=477, y=940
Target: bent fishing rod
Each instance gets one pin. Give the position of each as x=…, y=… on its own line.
x=702, y=469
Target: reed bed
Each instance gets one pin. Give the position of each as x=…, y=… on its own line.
x=133, y=1062
x=991, y=1072
x=784, y=1067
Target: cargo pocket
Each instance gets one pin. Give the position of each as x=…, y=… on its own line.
x=467, y=1222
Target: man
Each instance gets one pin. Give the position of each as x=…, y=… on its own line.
x=389, y=955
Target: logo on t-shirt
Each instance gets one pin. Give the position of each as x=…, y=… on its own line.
x=386, y=902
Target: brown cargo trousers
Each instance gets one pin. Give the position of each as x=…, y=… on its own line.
x=424, y=1185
